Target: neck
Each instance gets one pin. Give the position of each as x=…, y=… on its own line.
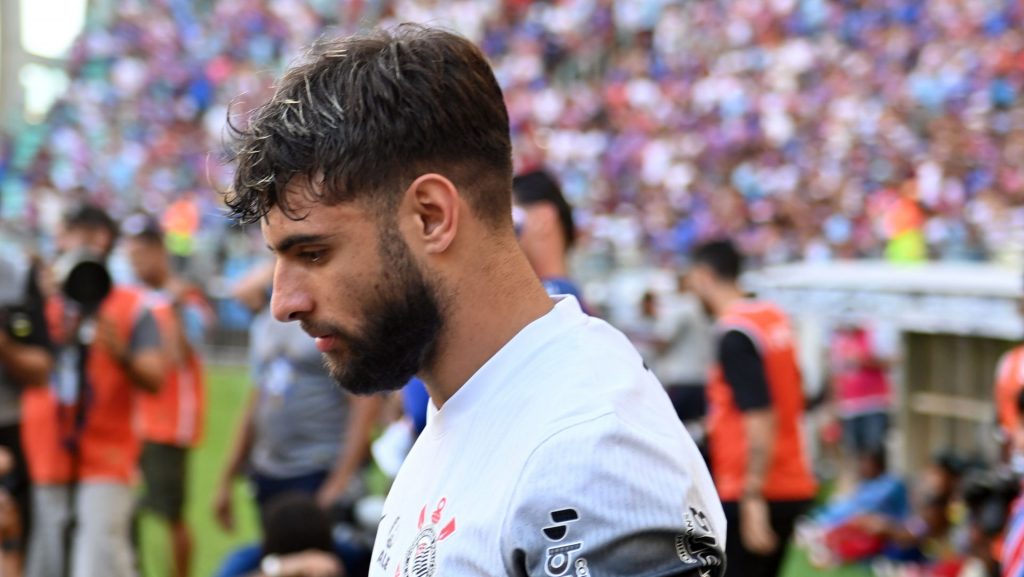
x=159, y=281
x=488, y=310
x=728, y=295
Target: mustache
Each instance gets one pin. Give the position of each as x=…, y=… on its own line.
x=320, y=329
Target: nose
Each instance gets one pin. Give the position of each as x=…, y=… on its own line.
x=288, y=301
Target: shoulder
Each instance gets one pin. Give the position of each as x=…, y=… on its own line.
x=595, y=388
x=1010, y=359
x=612, y=450
x=736, y=342
x=588, y=371
x=125, y=302
x=591, y=439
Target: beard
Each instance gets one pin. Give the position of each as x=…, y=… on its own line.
x=400, y=328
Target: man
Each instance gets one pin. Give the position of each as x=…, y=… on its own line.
x=1009, y=383
x=171, y=419
x=10, y=523
x=26, y=359
x=299, y=433
x=381, y=170
x=680, y=353
x=1012, y=554
x=755, y=407
x=861, y=388
x=546, y=229
x=82, y=447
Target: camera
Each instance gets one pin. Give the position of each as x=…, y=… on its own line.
x=84, y=280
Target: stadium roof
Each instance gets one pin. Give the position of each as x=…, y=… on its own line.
x=957, y=298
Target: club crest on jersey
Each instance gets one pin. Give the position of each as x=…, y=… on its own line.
x=421, y=559
x=560, y=557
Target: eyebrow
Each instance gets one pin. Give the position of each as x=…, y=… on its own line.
x=290, y=242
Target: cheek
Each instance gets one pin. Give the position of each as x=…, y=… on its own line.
x=137, y=260
x=348, y=289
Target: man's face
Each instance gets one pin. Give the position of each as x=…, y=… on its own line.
x=701, y=281
x=355, y=287
x=148, y=260
x=97, y=241
x=537, y=228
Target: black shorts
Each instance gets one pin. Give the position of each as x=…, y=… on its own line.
x=743, y=563
x=689, y=400
x=163, y=473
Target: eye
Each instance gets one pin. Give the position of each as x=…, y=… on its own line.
x=312, y=256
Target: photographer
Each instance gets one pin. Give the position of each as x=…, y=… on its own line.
x=171, y=419
x=25, y=360
x=83, y=447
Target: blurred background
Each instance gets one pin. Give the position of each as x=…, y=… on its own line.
x=866, y=156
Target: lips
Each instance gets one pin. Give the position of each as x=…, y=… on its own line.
x=326, y=343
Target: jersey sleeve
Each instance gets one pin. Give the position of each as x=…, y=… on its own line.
x=145, y=333
x=743, y=369
x=602, y=498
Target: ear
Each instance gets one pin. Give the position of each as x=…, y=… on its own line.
x=435, y=205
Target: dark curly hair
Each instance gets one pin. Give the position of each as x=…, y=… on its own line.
x=364, y=115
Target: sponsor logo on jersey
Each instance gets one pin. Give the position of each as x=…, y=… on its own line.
x=697, y=545
x=560, y=557
x=384, y=558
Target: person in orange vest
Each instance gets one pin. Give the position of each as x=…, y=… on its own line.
x=172, y=418
x=1009, y=383
x=80, y=436
x=755, y=408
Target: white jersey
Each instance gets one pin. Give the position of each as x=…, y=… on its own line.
x=560, y=456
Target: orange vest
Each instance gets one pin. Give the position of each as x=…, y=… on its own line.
x=1009, y=381
x=789, y=474
x=108, y=443
x=174, y=414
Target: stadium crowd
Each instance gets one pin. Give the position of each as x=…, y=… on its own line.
x=805, y=129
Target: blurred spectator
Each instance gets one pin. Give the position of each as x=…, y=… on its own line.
x=804, y=129
x=545, y=229
x=298, y=541
x=1012, y=557
x=1008, y=386
x=861, y=388
x=415, y=399
x=26, y=359
x=300, y=432
x=929, y=535
x=989, y=496
x=676, y=342
x=755, y=410
x=838, y=532
x=394, y=443
x=171, y=419
x=878, y=492
x=11, y=530
x=82, y=446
